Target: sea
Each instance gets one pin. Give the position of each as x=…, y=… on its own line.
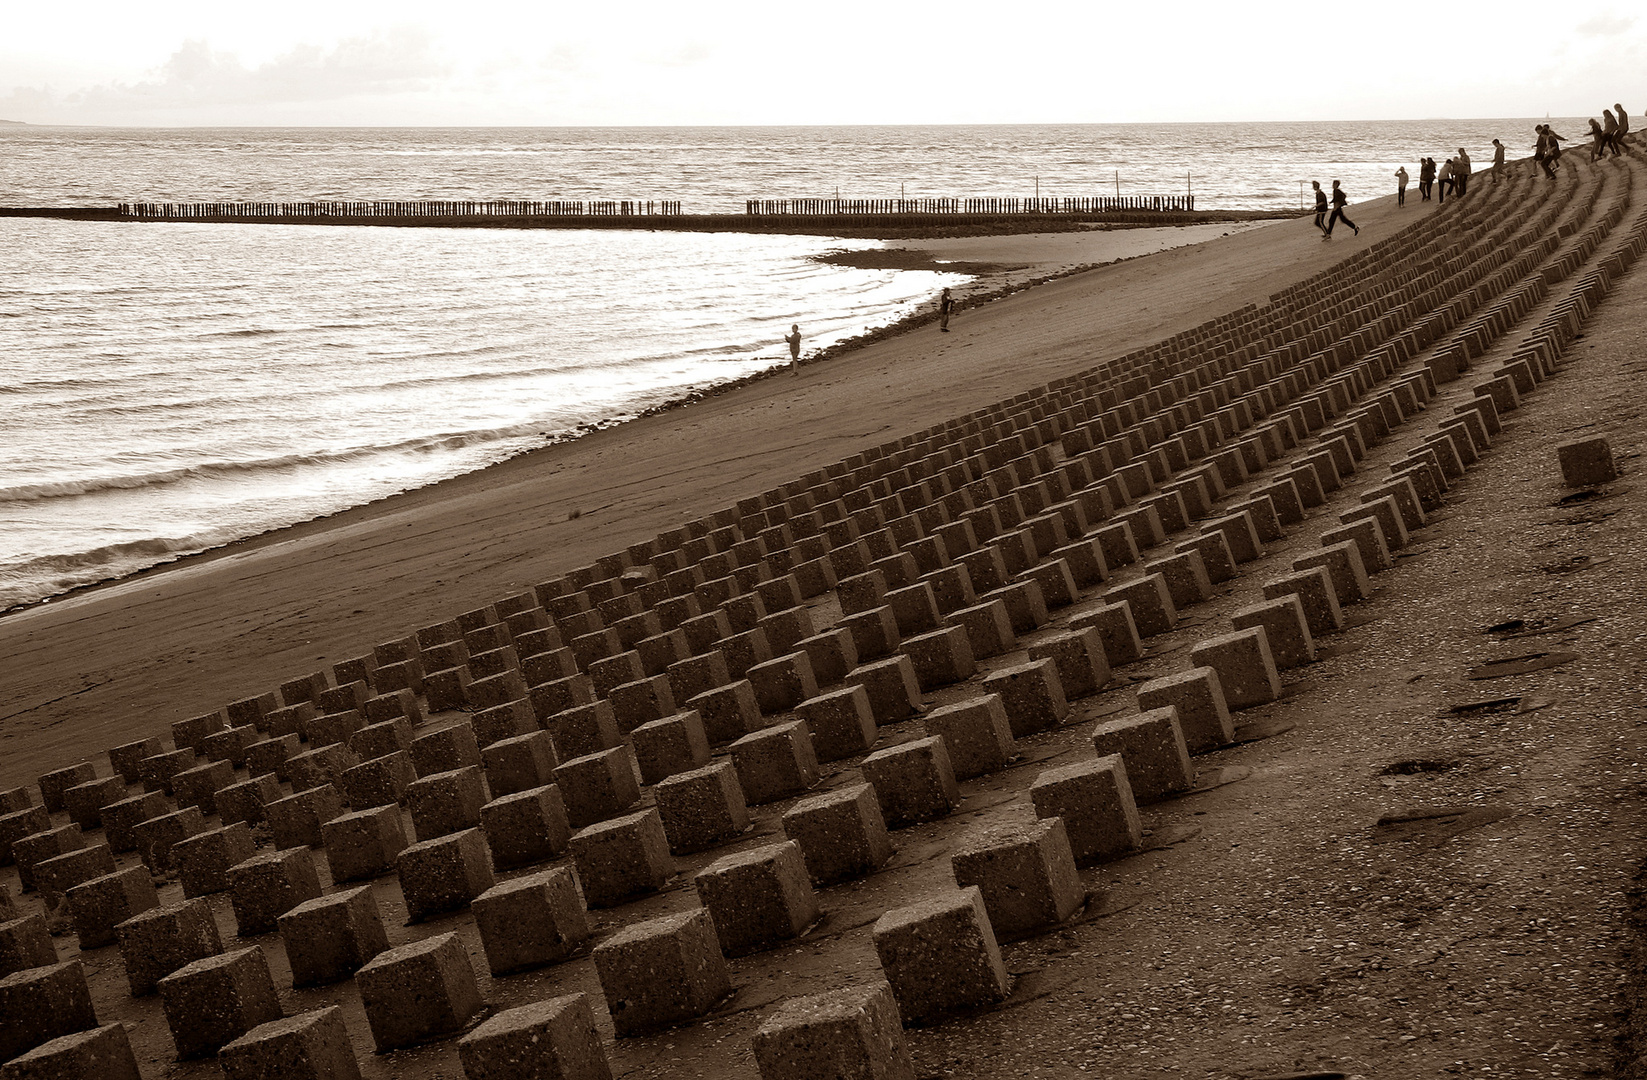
x=170, y=388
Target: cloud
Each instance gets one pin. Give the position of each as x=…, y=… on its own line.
x=1606, y=24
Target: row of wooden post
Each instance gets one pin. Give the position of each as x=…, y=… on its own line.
x=1072, y=205
x=397, y=209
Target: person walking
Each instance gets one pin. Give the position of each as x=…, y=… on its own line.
x=1623, y=124
x=1339, y=201
x=945, y=306
x=1541, y=150
x=1445, y=178
x=1401, y=186
x=1498, y=161
x=1609, y=132
x=1426, y=178
x=793, y=339
x=1461, y=172
x=1599, y=137
x=1555, y=147
x=1320, y=207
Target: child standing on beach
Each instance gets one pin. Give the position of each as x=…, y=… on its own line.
x=1320, y=206
x=1339, y=201
x=1401, y=186
x=793, y=339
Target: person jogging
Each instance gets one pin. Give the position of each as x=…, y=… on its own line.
x=1339, y=201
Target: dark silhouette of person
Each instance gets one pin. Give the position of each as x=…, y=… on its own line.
x=1623, y=121
x=1445, y=176
x=1498, y=161
x=793, y=339
x=1541, y=150
x=1339, y=201
x=1426, y=178
x=1320, y=206
x=1599, y=139
x=945, y=306
x=1461, y=172
x=1401, y=186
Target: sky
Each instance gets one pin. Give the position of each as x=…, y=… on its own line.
x=417, y=62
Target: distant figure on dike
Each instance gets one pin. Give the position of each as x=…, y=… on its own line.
x=1598, y=136
x=1461, y=172
x=1498, y=161
x=1609, y=133
x=1444, y=180
x=1339, y=201
x=794, y=340
x=1623, y=122
x=1426, y=178
x=1401, y=186
x=1541, y=150
x=945, y=306
x=1320, y=207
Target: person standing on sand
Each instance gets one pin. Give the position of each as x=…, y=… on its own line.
x=945, y=306
x=1320, y=207
x=793, y=339
x=1461, y=172
x=1498, y=161
x=1401, y=186
x=1426, y=178
x=1339, y=201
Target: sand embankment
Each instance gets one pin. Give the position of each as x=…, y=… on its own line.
x=111, y=664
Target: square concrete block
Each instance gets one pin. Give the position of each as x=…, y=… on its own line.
x=54, y=877
x=662, y=972
x=559, y=695
x=1245, y=666
x=104, y=1052
x=216, y=999
x=1217, y=558
x=450, y=748
x=40, y=1004
x=728, y=712
x=988, y=628
x=554, y=1039
x=1083, y=668
x=662, y=651
x=156, y=942
x=1116, y=630
x=758, y=898
x=296, y=819
x=702, y=808
x=25, y=943
x=444, y=874
x=35, y=848
x=1586, y=462
x=519, y=763
x=775, y=763
x=244, y=801
x=121, y=818
x=940, y=956
x=744, y=650
x=268, y=885
x=1197, y=698
x=976, y=735
x=331, y=937
x=833, y=653
x=1025, y=603
x=502, y=722
x=446, y=802
x=127, y=759
x=914, y=781
x=18, y=823
x=841, y=723
x=85, y=802
x=696, y=675
x=365, y=844
x=598, y=786
x=1150, y=603
x=783, y=683
x=1024, y=872
x=1344, y=567
x=321, y=731
x=1095, y=800
x=269, y=757
x=855, y=1032
x=309, y=1046
x=914, y=608
x=158, y=835
x=1185, y=576
x=526, y=827
x=103, y=903
x=418, y=991
x=785, y=630
x=159, y=771
x=1032, y=695
x=841, y=834
x=493, y=690
x=1117, y=543
x=640, y=702
x=621, y=859
x=893, y=691
x=1285, y=629
x=874, y=632
x=54, y=784
x=289, y=720
x=203, y=860
x=1368, y=537
x=1387, y=514
x=1315, y=593
x=1152, y=746
x=319, y=767
x=382, y=781
x=198, y=786
x=940, y=657
x=531, y=921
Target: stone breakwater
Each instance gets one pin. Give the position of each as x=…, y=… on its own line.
x=881, y=712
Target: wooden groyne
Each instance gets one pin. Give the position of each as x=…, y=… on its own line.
x=1100, y=204
x=426, y=208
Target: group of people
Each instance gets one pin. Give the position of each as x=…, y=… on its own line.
x=1339, y=200
x=1452, y=175
x=1608, y=133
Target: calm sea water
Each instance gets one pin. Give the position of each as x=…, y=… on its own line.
x=167, y=388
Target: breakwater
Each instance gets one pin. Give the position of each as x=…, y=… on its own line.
x=1102, y=204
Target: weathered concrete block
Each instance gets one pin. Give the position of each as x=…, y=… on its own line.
x=744, y=650
x=447, y=688
x=104, y=1052
x=728, y=712
x=316, y=768
x=841, y=723
x=309, y=1046
x=55, y=876
x=783, y=683
x=192, y=732
x=365, y=844
x=1285, y=629
x=1150, y=603
x=1032, y=695
x=554, y=1039
x=583, y=730
x=216, y=999
x=40, y=1004
x=199, y=785
x=940, y=956
x=1197, y=698
x=1344, y=567
x=598, y=786
x=25, y=943
x=419, y=990
x=519, y=763
x=874, y=632
x=1078, y=655
x=85, y=802
x=1586, y=462
x=382, y=781
x=832, y=653
x=1368, y=537
x=269, y=884
x=1216, y=555
x=854, y=1032
x=696, y=675
x=244, y=801
x=1245, y=666
x=127, y=759
x=1185, y=577
x=1316, y=596
x=1387, y=514
x=841, y=834
x=34, y=848
x=1152, y=745
x=940, y=657
x=891, y=686
x=203, y=860
x=269, y=757
x=21, y=822
x=122, y=818
x=914, y=781
x=702, y=808
x=988, y=628
x=1026, y=605
x=1024, y=872
x=331, y=937
x=494, y=690
x=1095, y=800
x=446, y=802
x=444, y=874
x=158, y=835
x=621, y=859
x=1116, y=630
x=976, y=735
x=775, y=763
x=531, y=921
x=641, y=702
x=526, y=827
x=441, y=751
x=758, y=898
x=662, y=972
x=506, y=721
x=156, y=942
x=1116, y=541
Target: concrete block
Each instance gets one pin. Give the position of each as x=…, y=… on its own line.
x=269, y=757
x=696, y=675
x=244, y=801
x=519, y=763
x=583, y=730
x=940, y=956
x=841, y=834
x=309, y=1046
x=1153, y=748
x=526, y=827
x=502, y=722
x=156, y=942
x=36, y=848
x=156, y=837
x=331, y=937
x=598, y=786
x=783, y=683
x=914, y=781
x=418, y=991
x=382, y=781
x=976, y=735
x=104, y=1052
x=1025, y=604
x=775, y=763
x=365, y=844
x=758, y=898
x=1032, y=695
x=1116, y=541
x=494, y=690
x=453, y=747
x=15, y=825
x=1025, y=874
x=841, y=723
x=1368, y=537
x=446, y=802
x=988, y=628
x=203, y=860
x=855, y=1032
x=744, y=650
x=1387, y=514
x=198, y=786
x=940, y=657
x=554, y=1039
x=641, y=702
x=447, y=689
x=1285, y=629
x=55, y=876
x=121, y=819
x=216, y=999
x=40, y=1004
x=532, y=921
x=1316, y=597
x=444, y=874
x=85, y=802
x=25, y=943
x=1196, y=697
x=269, y=884
x=621, y=859
x=728, y=712
x=103, y=903
x=1095, y=800
x=1185, y=577
x=662, y=972
x=190, y=733
x=1216, y=557
x=891, y=686
x=832, y=653
x=874, y=633
x=1344, y=567
x=1078, y=655
x=1245, y=666
x=127, y=759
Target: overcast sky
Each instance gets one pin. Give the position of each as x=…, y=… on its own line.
x=418, y=62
